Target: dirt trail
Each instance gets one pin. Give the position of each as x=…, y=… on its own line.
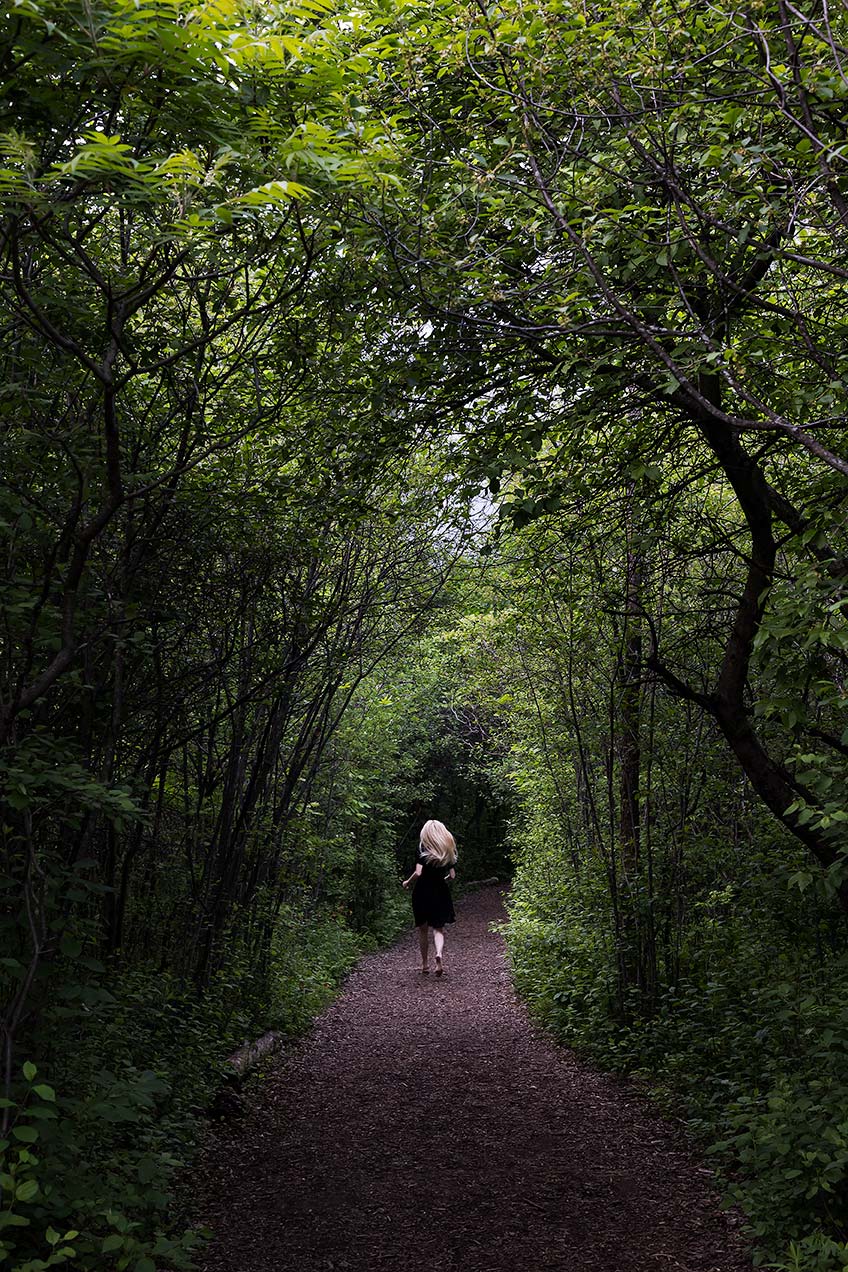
x=425, y=1121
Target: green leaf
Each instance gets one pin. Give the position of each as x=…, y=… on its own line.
x=29, y=1070
x=9, y=1219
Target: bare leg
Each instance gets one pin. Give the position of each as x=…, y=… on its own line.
x=422, y=941
x=439, y=942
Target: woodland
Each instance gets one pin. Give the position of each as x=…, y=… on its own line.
x=420, y=409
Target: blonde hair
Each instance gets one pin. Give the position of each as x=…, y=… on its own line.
x=438, y=844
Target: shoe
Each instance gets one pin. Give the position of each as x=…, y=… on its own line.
x=425, y=971
x=438, y=967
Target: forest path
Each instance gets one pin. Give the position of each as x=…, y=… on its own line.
x=424, y=1121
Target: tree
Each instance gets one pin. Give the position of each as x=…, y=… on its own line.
x=651, y=244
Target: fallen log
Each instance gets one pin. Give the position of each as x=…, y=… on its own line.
x=229, y=1101
x=248, y=1056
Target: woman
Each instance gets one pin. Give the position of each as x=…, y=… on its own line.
x=432, y=905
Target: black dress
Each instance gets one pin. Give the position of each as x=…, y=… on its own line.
x=431, y=898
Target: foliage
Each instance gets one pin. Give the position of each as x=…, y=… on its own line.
x=644, y=298
x=419, y=410
x=148, y=1057
x=749, y=1043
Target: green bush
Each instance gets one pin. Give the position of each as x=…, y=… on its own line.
x=309, y=962
x=90, y=1166
x=78, y=1188
x=752, y=1048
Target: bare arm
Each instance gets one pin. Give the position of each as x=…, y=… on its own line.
x=416, y=872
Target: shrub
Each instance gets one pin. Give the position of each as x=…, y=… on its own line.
x=754, y=1054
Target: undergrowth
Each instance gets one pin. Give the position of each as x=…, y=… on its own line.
x=750, y=1046
x=101, y=1128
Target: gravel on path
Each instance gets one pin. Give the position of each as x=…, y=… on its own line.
x=426, y=1121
